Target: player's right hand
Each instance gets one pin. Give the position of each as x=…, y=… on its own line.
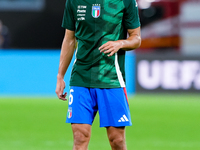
x=60, y=88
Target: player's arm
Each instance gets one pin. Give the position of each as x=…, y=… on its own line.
x=131, y=43
x=67, y=51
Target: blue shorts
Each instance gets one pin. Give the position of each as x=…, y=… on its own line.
x=112, y=105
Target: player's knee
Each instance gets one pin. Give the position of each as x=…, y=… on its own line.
x=81, y=137
x=117, y=142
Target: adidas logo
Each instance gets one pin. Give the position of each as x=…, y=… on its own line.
x=123, y=119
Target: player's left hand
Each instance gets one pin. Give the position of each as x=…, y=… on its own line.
x=111, y=47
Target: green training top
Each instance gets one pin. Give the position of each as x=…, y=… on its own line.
x=96, y=22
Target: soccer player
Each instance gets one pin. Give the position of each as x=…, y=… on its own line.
x=97, y=80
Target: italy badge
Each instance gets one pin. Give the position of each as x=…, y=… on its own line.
x=96, y=10
x=69, y=113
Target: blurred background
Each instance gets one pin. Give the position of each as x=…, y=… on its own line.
x=163, y=76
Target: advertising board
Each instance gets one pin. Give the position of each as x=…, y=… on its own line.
x=167, y=73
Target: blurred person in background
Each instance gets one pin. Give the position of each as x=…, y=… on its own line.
x=4, y=36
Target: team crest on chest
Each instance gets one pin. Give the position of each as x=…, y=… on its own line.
x=96, y=10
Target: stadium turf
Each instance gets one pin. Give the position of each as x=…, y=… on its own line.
x=160, y=122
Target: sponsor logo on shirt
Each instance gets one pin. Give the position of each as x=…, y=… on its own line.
x=81, y=18
x=96, y=10
x=81, y=11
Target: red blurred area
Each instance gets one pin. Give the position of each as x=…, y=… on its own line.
x=161, y=24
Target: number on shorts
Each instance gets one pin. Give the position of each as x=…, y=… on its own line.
x=71, y=97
